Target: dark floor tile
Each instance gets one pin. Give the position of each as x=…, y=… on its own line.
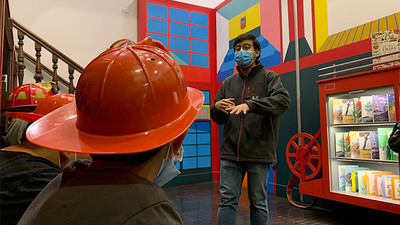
x=198, y=205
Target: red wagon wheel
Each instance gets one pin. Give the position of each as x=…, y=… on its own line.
x=303, y=154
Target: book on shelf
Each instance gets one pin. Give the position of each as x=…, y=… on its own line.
x=348, y=185
x=362, y=180
x=354, y=178
x=374, y=145
x=396, y=188
x=339, y=144
x=371, y=175
x=347, y=111
x=342, y=176
x=378, y=184
x=337, y=111
x=392, y=107
x=387, y=185
x=380, y=108
x=357, y=110
x=354, y=144
x=364, y=140
x=391, y=155
x=383, y=142
x=367, y=111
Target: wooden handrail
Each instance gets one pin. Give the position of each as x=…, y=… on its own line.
x=46, y=45
x=45, y=68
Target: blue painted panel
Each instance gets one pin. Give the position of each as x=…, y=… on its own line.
x=199, y=19
x=159, y=26
x=203, y=127
x=189, y=150
x=179, y=43
x=206, y=97
x=178, y=165
x=159, y=37
x=179, y=15
x=203, y=150
x=192, y=128
x=199, y=46
x=199, y=32
x=158, y=11
x=189, y=163
x=204, y=161
x=190, y=139
x=203, y=138
x=179, y=29
x=183, y=56
x=199, y=60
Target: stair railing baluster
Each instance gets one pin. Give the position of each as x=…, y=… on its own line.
x=71, y=70
x=21, y=65
x=55, y=67
x=38, y=69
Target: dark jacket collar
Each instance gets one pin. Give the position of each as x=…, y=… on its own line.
x=253, y=70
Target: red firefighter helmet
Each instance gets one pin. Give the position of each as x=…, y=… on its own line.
x=25, y=96
x=122, y=42
x=128, y=100
x=46, y=106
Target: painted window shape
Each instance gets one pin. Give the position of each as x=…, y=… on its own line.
x=183, y=32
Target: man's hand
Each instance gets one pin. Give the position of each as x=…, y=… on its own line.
x=223, y=104
x=238, y=109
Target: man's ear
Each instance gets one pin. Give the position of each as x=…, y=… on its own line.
x=178, y=142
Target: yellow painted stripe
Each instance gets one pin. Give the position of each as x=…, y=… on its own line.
x=345, y=35
x=333, y=40
x=321, y=24
x=338, y=39
x=350, y=36
x=397, y=17
x=366, y=33
x=323, y=47
x=357, y=35
x=374, y=27
x=382, y=24
x=391, y=22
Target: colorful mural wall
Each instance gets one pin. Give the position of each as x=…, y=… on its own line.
x=323, y=40
x=200, y=39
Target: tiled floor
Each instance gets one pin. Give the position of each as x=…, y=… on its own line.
x=198, y=205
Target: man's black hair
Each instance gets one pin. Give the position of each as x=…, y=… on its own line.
x=248, y=36
x=132, y=158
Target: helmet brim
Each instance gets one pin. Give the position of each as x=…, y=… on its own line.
x=57, y=130
x=30, y=117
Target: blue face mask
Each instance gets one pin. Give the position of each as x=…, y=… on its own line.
x=168, y=171
x=244, y=59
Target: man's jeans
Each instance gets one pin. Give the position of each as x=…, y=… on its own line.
x=230, y=184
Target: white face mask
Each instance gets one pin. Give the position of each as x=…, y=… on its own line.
x=168, y=171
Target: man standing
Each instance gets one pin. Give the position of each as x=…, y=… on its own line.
x=249, y=104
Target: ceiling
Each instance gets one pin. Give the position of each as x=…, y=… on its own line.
x=204, y=3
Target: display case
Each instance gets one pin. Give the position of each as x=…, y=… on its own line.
x=341, y=127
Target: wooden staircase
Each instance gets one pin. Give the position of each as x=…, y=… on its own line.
x=15, y=61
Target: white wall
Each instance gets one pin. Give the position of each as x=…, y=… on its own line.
x=345, y=14
x=81, y=29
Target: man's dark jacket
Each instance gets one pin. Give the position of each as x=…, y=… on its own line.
x=252, y=137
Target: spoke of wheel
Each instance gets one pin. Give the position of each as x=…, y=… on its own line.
x=295, y=164
x=292, y=154
x=295, y=145
x=311, y=166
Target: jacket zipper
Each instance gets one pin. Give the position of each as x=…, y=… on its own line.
x=241, y=120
